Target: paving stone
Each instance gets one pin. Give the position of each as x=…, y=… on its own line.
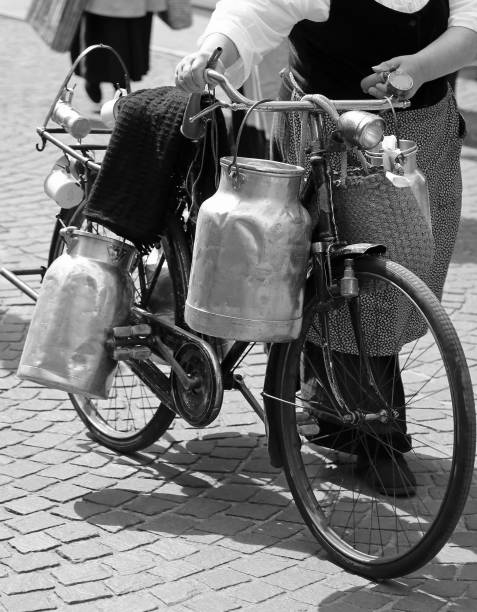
x=64, y=492
x=30, y=602
x=6, y=533
x=28, y=505
x=232, y=492
x=139, y=485
x=138, y=603
x=260, y=565
x=221, y=578
x=212, y=603
x=123, y=584
x=20, y=451
x=169, y=571
x=168, y=525
x=177, y=592
x=128, y=540
x=131, y=562
x=253, y=592
x=32, y=562
x=172, y=549
x=45, y=440
x=54, y=456
x=89, y=591
x=418, y=601
x=314, y=594
x=20, y=468
x=38, y=521
x=202, y=508
x=62, y=472
x=117, y=520
x=225, y=525
x=205, y=464
x=110, y=497
x=34, y=483
x=14, y=585
x=253, y=511
x=94, y=482
x=79, y=510
x=72, y=532
x=34, y=542
x=91, y=571
x=10, y=438
x=91, y=460
x=79, y=552
x=149, y=504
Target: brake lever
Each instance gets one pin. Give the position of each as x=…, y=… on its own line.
x=193, y=127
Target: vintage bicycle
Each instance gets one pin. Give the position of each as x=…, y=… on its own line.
x=166, y=371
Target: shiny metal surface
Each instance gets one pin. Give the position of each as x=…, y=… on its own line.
x=250, y=255
x=86, y=291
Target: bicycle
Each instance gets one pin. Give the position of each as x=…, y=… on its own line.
x=179, y=374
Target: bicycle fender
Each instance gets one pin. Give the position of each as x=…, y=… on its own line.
x=360, y=248
x=273, y=443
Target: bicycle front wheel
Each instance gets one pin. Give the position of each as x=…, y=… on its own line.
x=132, y=417
x=415, y=404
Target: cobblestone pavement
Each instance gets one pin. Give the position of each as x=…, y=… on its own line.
x=200, y=521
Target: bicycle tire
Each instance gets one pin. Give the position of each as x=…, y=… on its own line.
x=364, y=531
x=142, y=419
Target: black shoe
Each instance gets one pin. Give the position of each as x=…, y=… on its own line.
x=388, y=474
x=94, y=91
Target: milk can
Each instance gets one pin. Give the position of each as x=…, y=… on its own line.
x=85, y=292
x=416, y=179
x=250, y=254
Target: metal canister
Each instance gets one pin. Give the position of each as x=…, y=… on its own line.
x=250, y=254
x=85, y=292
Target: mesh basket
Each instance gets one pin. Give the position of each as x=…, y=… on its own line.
x=56, y=21
x=369, y=208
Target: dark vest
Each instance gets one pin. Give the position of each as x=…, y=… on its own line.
x=332, y=57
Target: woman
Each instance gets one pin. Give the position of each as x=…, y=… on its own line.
x=340, y=49
x=124, y=25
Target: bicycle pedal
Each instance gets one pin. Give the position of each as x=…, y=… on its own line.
x=132, y=331
x=306, y=425
x=139, y=353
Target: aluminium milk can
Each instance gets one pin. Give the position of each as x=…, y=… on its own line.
x=250, y=254
x=85, y=292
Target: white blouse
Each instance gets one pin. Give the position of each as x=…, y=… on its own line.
x=258, y=26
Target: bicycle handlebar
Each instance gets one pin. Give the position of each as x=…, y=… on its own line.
x=240, y=102
x=284, y=105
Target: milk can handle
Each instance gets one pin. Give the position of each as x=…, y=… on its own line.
x=233, y=168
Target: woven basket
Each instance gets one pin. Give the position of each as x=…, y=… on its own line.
x=371, y=209
x=178, y=14
x=56, y=21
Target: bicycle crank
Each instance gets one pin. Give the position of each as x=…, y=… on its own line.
x=196, y=376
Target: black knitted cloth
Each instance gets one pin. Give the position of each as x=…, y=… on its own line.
x=145, y=165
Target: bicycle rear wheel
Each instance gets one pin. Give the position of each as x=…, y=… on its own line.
x=133, y=418
x=429, y=416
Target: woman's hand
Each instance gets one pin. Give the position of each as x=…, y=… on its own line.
x=374, y=84
x=189, y=74
x=190, y=71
